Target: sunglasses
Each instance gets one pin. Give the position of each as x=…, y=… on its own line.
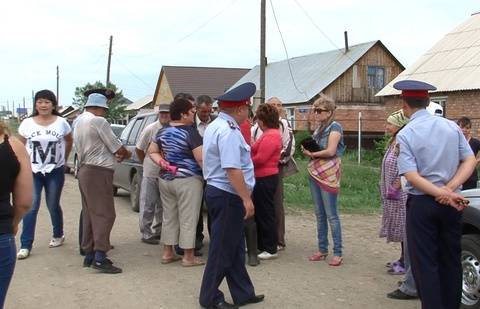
x=319, y=110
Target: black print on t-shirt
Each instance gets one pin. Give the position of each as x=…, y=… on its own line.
x=50, y=151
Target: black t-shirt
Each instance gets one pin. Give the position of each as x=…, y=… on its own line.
x=10, y=168
x=475, y=145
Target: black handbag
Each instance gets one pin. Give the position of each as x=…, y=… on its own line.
x=310, y=144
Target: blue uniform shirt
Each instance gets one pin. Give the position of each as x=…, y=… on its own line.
x=432, y=146
x=224, y=147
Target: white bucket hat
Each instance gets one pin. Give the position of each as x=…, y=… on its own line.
x=97, y=99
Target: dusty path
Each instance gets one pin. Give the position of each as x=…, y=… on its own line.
x=54, y=278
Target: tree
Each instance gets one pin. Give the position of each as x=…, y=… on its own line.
x=116, y=106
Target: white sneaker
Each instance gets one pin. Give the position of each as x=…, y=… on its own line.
x=56, y=242
x=23, y=254
x=267, y=256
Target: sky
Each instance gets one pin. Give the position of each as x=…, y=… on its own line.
x=36, y=36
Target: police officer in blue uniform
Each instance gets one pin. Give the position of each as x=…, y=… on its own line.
x=436, y=159
x=228, y=171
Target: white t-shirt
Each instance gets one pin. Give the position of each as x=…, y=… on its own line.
x=45, y=144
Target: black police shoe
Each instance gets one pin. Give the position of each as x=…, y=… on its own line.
x=87, y=261
x=106, y=267
x=397, y=294
x=252, y=300
x=222, y=305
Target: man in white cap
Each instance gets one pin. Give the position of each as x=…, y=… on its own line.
x=98, y=148
x=150, y=205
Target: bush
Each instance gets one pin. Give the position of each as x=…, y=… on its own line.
x=300, y=136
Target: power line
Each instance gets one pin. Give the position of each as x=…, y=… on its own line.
x=286, y=53
x=134, y=75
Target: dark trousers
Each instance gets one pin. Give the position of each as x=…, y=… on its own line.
x=433, y=233
x=98, y=209
x=199, y=234
x=265, y=216
x=226, y=257
x=7, y=263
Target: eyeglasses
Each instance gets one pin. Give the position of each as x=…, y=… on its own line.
x=318, y=111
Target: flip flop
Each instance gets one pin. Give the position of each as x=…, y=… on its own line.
x=195, y=262
x=336, y=261
x=392, y=264
x=318, y=256
x=171, y=259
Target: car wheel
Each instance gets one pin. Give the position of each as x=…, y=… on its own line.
x=471, y=271
x=135, y=193
x=75, y=167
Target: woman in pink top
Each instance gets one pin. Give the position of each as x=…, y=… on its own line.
x=265, y=157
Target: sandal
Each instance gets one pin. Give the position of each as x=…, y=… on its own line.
x=397, y=270
x=336, y=261
x=170, y=259
x=318, y=256
x=195, y=262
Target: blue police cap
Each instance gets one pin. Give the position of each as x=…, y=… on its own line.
x=238, y=96
x=414, y=88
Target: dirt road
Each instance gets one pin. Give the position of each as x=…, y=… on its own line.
x=54, y=278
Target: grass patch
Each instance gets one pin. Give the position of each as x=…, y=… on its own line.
x=358, y=192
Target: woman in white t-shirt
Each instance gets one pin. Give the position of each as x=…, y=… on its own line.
x=48, y=139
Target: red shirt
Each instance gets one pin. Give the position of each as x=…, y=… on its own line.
x=245, y=130
x=266, y=153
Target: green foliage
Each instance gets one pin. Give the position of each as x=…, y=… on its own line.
x=116, y=105
x=299, y=136
x=358, y=192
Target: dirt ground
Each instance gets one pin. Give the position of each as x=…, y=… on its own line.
x=54, y=278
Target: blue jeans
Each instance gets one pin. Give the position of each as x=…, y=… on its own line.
x=7, y=264
x=326, y=209
x=53, y=184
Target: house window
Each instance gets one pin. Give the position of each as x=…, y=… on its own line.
x=376, y=77
x=291, y=117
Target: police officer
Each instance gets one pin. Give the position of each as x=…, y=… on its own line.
x=434, y=168
x=228, y=170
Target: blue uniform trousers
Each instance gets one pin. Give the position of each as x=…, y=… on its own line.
x=226, y=256
x=434, y=232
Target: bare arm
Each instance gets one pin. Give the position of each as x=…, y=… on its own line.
x=235, y=176
x=197, y=154
x=333, y=140
x=23, y=189
x=22, y=139
x=155, y=153
x=68, y=145
x=464, y=171
x=140, y=154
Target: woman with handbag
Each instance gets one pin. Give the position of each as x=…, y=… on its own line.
x=392, y=197
x=325, y=169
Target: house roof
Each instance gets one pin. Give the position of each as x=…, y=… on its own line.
x=312, y=73
x=139, y=103
x=201, y=80
x=453, y=64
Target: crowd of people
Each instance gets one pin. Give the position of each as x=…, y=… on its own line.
x=232, y=165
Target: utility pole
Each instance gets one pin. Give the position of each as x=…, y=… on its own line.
x=109, y=61
x=262, y=52
x=58, y=95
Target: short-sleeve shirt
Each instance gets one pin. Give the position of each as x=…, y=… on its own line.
x=45, y=144
x=224, y=147
x=475, y=145
x=433, y=147
x=177, y=144
x=150, y=169
x=322, y=137
x=95, y=142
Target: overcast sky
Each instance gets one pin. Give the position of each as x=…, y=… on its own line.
x=36, y=36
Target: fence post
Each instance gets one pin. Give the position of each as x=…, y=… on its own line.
x=359, y=137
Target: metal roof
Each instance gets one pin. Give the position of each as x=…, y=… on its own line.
x=140, y=103
x=201, y=80
x=452, y=64
x=312, y=73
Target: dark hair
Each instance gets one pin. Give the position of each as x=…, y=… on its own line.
x=268, y=115
x=464, y=122
x=204, y=99
x=417, y=102
x=178, y=107
x=185, y=96
x=48, y=95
